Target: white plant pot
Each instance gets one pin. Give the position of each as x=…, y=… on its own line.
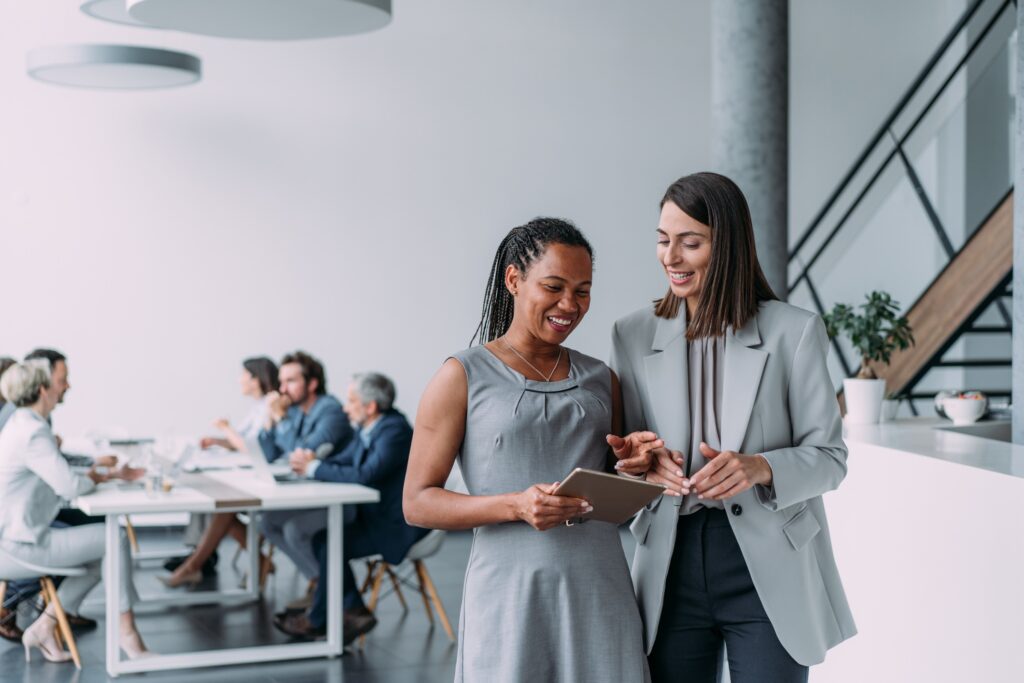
x=863, y=400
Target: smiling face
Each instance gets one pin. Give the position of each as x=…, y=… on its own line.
x=684, y=250
x=554, y=294
x=59, y=380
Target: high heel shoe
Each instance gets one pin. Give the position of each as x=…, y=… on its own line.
x=133, y=647
x=266, y=569
x=41, y=635
x=178, y=579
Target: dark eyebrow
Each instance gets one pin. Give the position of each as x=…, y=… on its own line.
x=688, y=233
x=562, y=279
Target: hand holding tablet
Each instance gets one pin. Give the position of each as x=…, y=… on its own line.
x=615, y=499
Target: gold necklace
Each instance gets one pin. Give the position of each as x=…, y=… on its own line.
x=547, y=377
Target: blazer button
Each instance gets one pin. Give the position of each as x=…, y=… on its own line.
x=737, y=509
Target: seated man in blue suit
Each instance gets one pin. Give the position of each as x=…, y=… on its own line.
x=302, y=414
x=377, y=458
x=305, y=420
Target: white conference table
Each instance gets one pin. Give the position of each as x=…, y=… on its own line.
x=222, y=491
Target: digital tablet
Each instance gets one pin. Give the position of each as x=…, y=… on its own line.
x=615, y=499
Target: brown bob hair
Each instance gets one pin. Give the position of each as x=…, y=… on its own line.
x=734, y=285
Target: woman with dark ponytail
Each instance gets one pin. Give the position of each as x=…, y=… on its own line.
x=545, y=599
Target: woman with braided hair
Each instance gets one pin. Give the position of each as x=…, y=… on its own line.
x=545, y=599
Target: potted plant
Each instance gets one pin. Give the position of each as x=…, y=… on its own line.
x=875, y=332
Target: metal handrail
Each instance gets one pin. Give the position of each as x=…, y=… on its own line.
x=883, y=130
x=896, y=151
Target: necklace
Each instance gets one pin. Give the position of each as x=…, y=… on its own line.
x=547, y=377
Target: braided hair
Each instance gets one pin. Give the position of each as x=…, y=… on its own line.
x=521, y=247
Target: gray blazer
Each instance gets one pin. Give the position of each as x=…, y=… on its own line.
x=778, y=400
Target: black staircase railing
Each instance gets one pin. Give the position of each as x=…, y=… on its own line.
x=981, y=21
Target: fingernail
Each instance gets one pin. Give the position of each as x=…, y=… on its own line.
x=618, y=465
x=700, y=497
x=686, y=482
x=589, y=508
x=679, y=473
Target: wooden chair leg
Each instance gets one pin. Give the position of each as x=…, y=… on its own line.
x=62, y=620
x=436, y=599
x=396, y=584
x=378, y=578
x=132, y=539
x=370, y=566
x=418, y=566
x=45, y=594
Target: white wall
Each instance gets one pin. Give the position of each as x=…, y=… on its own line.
x=345, y=196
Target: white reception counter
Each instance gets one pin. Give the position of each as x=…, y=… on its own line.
x=928, y=531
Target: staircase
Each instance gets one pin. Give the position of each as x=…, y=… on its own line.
x=970, y=284
x=909, y=209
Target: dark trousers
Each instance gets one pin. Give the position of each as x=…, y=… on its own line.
x=17, y=591
x=710, y=600
x=359, y=541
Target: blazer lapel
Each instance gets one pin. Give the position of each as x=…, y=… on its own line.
x=743, y=369
x=361, y=451
x=667, y=384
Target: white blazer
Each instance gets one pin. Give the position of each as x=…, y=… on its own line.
x=35, y=479
x=778, y=400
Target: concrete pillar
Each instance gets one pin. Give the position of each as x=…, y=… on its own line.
x=1018, y=242
x=750, y=118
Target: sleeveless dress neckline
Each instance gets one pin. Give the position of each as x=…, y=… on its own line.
x=570, y=382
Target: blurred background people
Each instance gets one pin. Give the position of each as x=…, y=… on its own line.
x=377, y=458
x=304, y=419
x=35, y=480
x=205, y=532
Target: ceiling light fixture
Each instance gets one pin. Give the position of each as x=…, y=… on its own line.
x=124, y=67
x=263, y=19
x=115, y=11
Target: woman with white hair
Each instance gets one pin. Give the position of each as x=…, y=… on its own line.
x=35, y=482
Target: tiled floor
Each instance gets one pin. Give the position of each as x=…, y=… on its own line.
x=404, y=647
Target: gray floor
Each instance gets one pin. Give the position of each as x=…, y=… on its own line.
x=403, y=647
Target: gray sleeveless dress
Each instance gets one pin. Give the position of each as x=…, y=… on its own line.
x=542, y=606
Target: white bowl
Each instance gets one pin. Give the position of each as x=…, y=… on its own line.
x=964, y=411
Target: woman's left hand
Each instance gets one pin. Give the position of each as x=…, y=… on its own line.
x=729, y=473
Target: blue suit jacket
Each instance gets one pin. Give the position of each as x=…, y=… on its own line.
x=325, y=423
x=379, y=465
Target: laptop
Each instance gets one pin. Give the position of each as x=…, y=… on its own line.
x=279, y=472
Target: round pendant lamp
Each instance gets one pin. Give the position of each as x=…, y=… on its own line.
x=264, y=19
x=115, y=11
x=125, y=67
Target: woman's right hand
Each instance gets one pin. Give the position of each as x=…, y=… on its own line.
x=668, y=470
x=538, y=507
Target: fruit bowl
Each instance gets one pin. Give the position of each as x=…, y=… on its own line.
x=964, y=408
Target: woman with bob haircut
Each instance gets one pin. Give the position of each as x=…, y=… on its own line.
x=735, y=385
x=545, y=599
x=35, y=480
